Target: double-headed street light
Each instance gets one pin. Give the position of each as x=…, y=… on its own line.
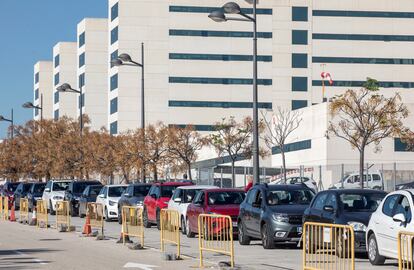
x=126, y=60
x=30, y=105
x=66, y=88
x=220, y=16
x=11, y=120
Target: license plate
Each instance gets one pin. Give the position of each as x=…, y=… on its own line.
x=299, y=229
x=234, y=224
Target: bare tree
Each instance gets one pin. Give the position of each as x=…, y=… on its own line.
x=364, y=117
x=281, y=125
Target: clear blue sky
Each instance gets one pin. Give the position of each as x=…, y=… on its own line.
x=28, y=31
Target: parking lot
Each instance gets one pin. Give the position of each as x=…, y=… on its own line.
x=27, y=247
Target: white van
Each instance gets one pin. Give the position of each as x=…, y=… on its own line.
x=352, y=181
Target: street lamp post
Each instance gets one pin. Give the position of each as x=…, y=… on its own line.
x=11, y=120
x=30, y=105
x=220, y=16
x=66, y=88
x=126, y=60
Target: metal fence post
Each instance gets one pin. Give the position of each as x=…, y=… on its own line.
x=264, y=174
x=244, y=171
x=367, y=177
x=221, y=180
x=394, y=176
x=342, y=175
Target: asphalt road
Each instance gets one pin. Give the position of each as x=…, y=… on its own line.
x=26, y=247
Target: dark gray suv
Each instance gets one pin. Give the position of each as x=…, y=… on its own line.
x=273, y=213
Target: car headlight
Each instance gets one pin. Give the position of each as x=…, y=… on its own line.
x=357, y=226
x=281, y=218
x=140, y=203
x=112, y=203
x=57, y=198
x=38, y=198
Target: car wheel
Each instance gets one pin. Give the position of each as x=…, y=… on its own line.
x=52, y=212
x=373, y=254
x=106, y=215
x=145, y=220
x=158, y=219
x=267, y=240
x=183, y=225
x=244, y=239
x=72, y=211
x=188, y=231
x=119, y=216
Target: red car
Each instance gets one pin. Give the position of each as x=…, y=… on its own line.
x=157, y=199
x=214, y=201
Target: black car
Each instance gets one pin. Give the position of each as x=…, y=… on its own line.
x=35, y=193
x=89, y=195
x=273, y=213
x=133, y=196
x=20, y=193
x=74, y=192
x=347, y=207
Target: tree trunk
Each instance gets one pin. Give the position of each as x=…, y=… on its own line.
x=190, y=177
x=361, y=166
x=155, y=173
x=283, y=165
x=233, y=174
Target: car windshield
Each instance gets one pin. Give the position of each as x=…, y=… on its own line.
x=116, y=191
x=189, y=195
x=289, y=197
x=79, y=187
x=167, y=191
x=225, y=197
x=295, y=180
x=12, y=186
x=141, y=191
x=94, y=191
x=354, y=202
x=60, y=186
x=39, y=188
x=26, y=187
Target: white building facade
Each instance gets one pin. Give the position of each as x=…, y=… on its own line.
x=42, y=90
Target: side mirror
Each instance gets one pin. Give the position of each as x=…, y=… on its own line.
x=101, y=196
x=47, y=189
x=177, y=200
x=399, y=218
x=328, y=208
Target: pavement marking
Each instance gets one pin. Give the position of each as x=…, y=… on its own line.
x=140, y=265
x=35, y=260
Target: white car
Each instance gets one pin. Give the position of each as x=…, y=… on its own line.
x=352, y=181
x=54, y=192
x=310, y=183
x=182, y=197
x=393, y=215
x=109, y=197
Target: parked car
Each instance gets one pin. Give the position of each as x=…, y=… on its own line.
x=273, y=213
x=181, y=199
x=310, y=183
x=409, y=185
x=392, y=216
x=157, y=199
x=21, y=192
x=73, y=194
x=8, y=191
x=89, y=195
x=109, y=197
x=35, y=193
x=352, y=181
x=54, y=192
x=348, y=207
x=214, y=201
x=134, y=195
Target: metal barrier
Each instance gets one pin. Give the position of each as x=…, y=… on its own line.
x=132, y=223
x=62, y=214
x=405, y=250
x=328, y=246
x=41, y=211
x=1, y=207
x=24, y=211
x=215, y=234
x=170, y=229
x=5, y=208
x=95, y=214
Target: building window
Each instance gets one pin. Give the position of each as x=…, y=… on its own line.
x=300, y=84
x=201, y=80
x=36, y=94
x=37, y=77
x=361, y=83
x=362, y=60
x=114, y=11
x=113, y=128
x=114, y=55
x=81, y=100
x=299, y=37
x=366, y=14
x=218, y=57
x=298, y=104
x=207, y=33
x=81, y=39
x=400, y=146
x=114, y=35
x=114, y=106
x=56, y=114
x=300, y=14
x=56, y=97
x=196, y=127
x=81, y=81
x=217, y=104
x=114, y=82
x=57, y=60
x=299, y=60
x=198, y=9
x=56, y=80
x=292, y=147
x=82, y=60
x=385, y=38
